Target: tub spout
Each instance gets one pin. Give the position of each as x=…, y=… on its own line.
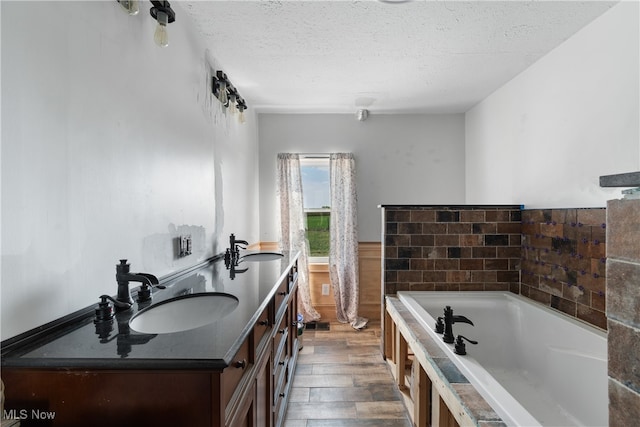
x=462, y=319
x=449, y=320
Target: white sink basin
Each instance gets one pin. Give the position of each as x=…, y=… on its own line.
x=183, y=313
x=261, y=256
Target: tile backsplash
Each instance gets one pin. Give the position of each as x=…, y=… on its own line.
x=564, y=261
x=554, y=256
x=457, y=248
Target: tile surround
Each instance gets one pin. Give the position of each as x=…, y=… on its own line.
x=564, y=261
x=583, y=262
x=554, y=256
x=623, y=296
x=459, y=248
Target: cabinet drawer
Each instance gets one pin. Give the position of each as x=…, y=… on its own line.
x=280, y=363
x=279, y=407
x=293, y=276
x=232, y=374
x=260, y=330
x=281, y=334
x=281, y=295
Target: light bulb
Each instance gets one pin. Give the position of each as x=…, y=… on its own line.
x=131, y=6
x=222, y=93
x=241, y=118
x=161, y=37
x=233, y=109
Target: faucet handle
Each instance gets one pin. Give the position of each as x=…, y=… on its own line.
x=144, y=293
x=460, y=347
x=104, y=310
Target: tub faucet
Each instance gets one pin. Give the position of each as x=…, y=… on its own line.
x=449, y=320
x=124, y=276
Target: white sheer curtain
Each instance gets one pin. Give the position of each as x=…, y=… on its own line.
x=343, y=235
x=292, y=227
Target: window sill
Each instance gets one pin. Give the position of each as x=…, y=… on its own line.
x=318, y=267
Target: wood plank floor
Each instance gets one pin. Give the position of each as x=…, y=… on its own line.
x=342, y=380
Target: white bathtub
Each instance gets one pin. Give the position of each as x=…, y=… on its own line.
x=534, y=366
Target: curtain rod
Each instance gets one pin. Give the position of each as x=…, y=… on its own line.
x=315, y=155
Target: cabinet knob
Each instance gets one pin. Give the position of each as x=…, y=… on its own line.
x=263, y=323
x=281, y=363
x=282, y=293
x=283, y=331
x=241, y=364
x=281, y=395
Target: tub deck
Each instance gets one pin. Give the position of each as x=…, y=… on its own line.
x=439, y=388
x=532, y=367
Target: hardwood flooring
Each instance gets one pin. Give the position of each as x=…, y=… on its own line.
x=342, y=381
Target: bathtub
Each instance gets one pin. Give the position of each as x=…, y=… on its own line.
x=534, y=366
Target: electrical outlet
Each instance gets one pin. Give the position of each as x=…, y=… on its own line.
x=325, y=289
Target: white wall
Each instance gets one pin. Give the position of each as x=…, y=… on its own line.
x=111, y=148
x=400, y=159
x=546, y=137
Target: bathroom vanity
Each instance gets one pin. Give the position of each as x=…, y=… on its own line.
x=236, y=371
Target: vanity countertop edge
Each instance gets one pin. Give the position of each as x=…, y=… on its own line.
x=254, y=294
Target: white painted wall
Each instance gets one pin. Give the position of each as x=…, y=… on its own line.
x=111, y=147
x=400, y=159
x=546, y=137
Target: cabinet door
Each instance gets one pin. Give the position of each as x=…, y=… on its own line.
x=246, y=416
x=264, y=393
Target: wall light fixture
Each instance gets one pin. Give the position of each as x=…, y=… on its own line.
x=228, y=95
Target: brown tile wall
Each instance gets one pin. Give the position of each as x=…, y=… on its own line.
x=554, y=256
x=466, y=248
x=623, y=311
x=564, y=261
x=584, y=262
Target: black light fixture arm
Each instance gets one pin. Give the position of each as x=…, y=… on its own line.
x=162, y=6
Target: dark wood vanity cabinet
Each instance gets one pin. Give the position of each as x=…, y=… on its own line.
x=273, y=362
x=252, y=391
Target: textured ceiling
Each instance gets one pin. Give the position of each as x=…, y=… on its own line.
x=417, y=56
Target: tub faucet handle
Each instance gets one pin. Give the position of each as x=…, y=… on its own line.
x=460, y=347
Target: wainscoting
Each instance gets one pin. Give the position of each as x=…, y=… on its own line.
x=370, y=271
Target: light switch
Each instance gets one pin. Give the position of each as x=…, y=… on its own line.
x=185, y=246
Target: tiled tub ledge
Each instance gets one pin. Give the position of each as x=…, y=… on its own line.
x=629, y=179
x=439, y=391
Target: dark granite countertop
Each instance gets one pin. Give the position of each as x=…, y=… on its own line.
x=81, y=344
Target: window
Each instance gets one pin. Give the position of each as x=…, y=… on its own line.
x=317, y=200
